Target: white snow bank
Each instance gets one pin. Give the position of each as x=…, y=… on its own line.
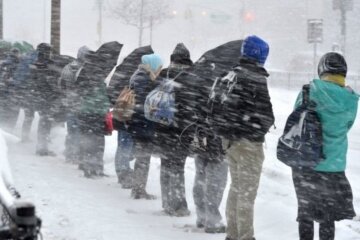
x=5, y=174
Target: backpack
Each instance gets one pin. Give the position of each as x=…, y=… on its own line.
x=239, y=105
x=124, y=105
x=160, y=103
x=300, y=146
x=221, y=103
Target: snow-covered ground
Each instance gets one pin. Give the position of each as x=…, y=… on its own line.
x=73, y=207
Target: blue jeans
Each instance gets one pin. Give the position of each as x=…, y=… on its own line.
x=124, y=152
x=72, y=148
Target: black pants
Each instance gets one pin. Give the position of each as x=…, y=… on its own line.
x=172, y=181
x=326, y=230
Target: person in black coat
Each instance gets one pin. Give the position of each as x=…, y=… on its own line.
x=246, y=118
x=9, y=107
x=142, y=130
x=92, y=106
x=42, y=88
x=71, y=100
x=172, y=152
x=23, y=92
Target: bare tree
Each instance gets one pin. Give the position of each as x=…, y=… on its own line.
x=141, y=14
x=56, y=24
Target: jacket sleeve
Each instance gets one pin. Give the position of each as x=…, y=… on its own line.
x=264, y=110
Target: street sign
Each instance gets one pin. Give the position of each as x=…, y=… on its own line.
x=315, y=30
x=346, y=5
x=220, y=18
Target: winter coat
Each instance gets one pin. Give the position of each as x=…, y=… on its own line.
x=8, y=68
x=95, y=101
x=249, y=107
x=168, y=137
x=22, y=79
x=67, y=83
x=7, y=85
x=91, y=89
x=337, y=108
x=141, y=83
x=43, y=89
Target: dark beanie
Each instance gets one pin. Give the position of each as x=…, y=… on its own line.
x=181, y=55
x=332, y=63
x=44, y=52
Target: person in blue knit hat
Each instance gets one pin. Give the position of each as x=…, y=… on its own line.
x=249, y=116
x=142, y=130
x=255, y=49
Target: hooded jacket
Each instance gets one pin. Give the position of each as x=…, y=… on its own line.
x=337, y=108
x=68, y=79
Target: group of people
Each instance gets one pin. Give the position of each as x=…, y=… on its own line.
x=221, y=114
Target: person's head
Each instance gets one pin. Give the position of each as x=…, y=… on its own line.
x=153, y=62
x=255, y=49
x=332, y=63
x=83, y=53
x=15, y=52
x=181, y=55
x=44, y=51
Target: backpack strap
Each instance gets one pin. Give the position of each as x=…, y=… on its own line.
x=167, y=75
x=306, y=94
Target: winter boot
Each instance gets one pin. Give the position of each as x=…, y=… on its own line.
x=181, y=213
x=45, y=152
x=200, y=223
x=216, y=228
x=141, y=194
x=125, y=178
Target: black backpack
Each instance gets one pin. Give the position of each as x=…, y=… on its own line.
x=300, y=146
x=218, y=103
x=238, y=106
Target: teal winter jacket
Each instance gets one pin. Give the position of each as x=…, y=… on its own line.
x=336, y=107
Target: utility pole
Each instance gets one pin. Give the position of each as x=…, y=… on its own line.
x=343, y=6
x=1, y=20
x=315, y=36
x=56, y=25
x=100, y=4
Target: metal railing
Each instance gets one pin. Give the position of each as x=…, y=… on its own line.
x=295, y=80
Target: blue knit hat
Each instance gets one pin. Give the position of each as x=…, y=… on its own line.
x=153, y=60
x=255, y=48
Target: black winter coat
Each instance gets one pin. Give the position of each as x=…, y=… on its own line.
x=140, y=128
x=43, y=88
x=248, y=112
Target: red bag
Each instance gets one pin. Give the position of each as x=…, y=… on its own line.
x=109, y=127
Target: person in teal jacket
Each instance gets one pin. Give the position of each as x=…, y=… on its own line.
x=324, y=194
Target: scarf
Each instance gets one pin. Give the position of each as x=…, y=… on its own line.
x=334, y=78
x=148, y=70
